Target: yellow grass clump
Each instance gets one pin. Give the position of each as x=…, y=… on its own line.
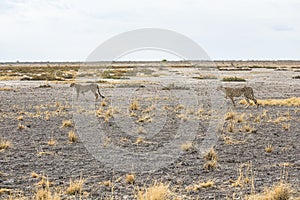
x=157, y=191
x=51, y=142
x=5, y=191
x=187, y=146
x=75, y=187
x=6, y=89
x=4, y=144
x=134, y=105
x=269, y=148
x=21, y=126
x=245, y=176
x=141, y=130
x=43, y=191
x=294, y=101
x=139, y=140
x=144, y=118
x=211, y=158
x=34, y=175
x=286, y=126
x=130, y=178
x=20, y=118
x=67, y=123
x=201, y=185
x=72, y=137
x=280, y=191
x=230, y=115
x=211, y=155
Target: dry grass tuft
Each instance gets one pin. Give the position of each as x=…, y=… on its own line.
x=75, y=187
x=240, y=118
x=207, y=184
x=269, y=148
x=51, y=142
x=280, y=191
x=134, y=105
x=231, y=127
x=6, y=89
x=106, y=183
x=211, y=158
x=157, y=191
x=182, y=117
x=44, y=182
x=294, y=101
x=211, y=155
x=244, y=102
x=34, y=175
x=144, y=118
x=280, y=119
x=286, y=126
x=72, y=137
x=5, y=191
x=141, y=130
x=230, y=115
x=4, y=144
x=248, y=128
x=103, y=103
x=210, y=165
x=245, y=176
x=230, y=140
x=130, y=178
x=201, y=185
x=139, y=140
x=21, y=126
x=43, y=191
x=187, y=146
x=20, y=118
x=149, y=109
x=67, y=123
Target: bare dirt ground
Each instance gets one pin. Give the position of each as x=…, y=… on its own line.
x=145, y=111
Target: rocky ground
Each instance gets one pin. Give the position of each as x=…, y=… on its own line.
x=157, y=128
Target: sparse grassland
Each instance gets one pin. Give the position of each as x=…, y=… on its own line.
x=252, y=146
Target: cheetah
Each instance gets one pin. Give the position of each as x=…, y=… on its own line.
x=85, y=88
x=237, y=92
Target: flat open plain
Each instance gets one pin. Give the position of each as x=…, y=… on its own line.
x=154, y=128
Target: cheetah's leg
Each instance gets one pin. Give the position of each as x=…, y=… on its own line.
x=249, y=103
x=77, y=91
x=96, y=96
x=232, y=100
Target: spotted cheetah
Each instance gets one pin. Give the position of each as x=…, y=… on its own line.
x=85, y=88
x=237, y=92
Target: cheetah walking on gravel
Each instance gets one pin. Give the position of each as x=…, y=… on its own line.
x=237, y=92
x=85, y=88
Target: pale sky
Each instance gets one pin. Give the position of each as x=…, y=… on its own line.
x=69, y=30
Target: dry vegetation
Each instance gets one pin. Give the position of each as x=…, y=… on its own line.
x=280, y=191
x=157, y=191
x=75, y=187
x=72, y=137
x=272, y=127
x=4, y=144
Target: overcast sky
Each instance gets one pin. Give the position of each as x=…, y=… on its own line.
x=69, y=30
